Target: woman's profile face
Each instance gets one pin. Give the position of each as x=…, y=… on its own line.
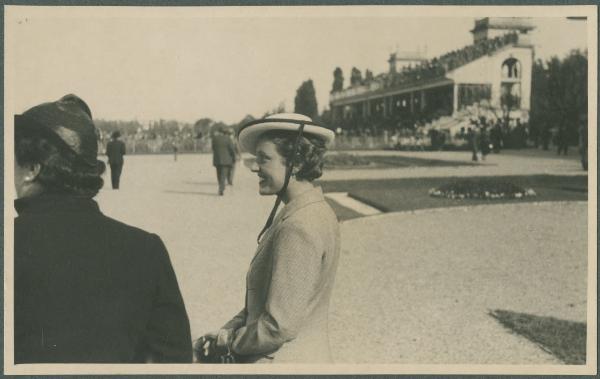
x=270, y=168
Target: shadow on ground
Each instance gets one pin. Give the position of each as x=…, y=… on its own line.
x=564, y=339
x=193, y=193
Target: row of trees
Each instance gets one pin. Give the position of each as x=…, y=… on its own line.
x=356, y=78
x=559, y=94
x=162, y=135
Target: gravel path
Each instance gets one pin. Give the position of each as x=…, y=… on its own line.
x=411, y=287
x=416, y=286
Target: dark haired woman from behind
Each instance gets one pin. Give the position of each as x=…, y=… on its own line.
x=88, y=289
x=290, y=279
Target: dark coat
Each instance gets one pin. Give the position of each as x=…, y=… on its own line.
x=223, y=150
x=115, y=150
x=90, y=289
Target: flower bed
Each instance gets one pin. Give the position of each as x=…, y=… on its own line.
x=486, y=189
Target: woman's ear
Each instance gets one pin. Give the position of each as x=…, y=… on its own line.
x=33, y=170
x=296, y=169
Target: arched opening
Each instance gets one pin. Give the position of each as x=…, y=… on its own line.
x=511, y=69
x=510, y=91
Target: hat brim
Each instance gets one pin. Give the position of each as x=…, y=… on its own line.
x=248, y=137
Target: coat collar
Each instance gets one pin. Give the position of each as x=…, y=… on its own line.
x=55, y=203
x=311, y=196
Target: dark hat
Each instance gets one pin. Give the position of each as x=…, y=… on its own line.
x=67, y=123
x=116, y=134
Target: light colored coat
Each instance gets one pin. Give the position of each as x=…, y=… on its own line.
x=289, y=285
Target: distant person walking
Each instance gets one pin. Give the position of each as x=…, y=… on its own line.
x=472, y=139
x=496, y=136
x=238, y=155
x=223, y=157
x=484, y=142
x=115, y=150
x=175, y=150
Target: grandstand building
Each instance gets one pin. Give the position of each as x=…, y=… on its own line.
x=492, y=76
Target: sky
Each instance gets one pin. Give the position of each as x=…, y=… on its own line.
x=224, y=63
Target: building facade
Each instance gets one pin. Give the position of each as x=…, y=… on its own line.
x=493, y=76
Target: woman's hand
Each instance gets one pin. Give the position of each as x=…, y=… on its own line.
x=215, y=347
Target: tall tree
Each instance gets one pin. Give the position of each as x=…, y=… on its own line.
x=539, y=116
x=355, y=77
x=203, y=126
x=306, y=100
x=368, y=75
x=326, y=119
x=338, y=80
x=574, y=74
x=559, y=93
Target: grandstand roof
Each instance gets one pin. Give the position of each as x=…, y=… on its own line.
x=507, y=23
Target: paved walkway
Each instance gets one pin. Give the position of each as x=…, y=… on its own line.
x=411, y=288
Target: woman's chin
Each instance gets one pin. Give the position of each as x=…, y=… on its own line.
x=265, y=191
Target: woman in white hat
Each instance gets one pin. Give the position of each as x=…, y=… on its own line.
x=289, y=283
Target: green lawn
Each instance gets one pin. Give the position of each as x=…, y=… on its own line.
x=392, y=195
x=566, y=340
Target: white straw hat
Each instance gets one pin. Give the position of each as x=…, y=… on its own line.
x=251, y=132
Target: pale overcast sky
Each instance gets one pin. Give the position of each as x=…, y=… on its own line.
x=223, y=63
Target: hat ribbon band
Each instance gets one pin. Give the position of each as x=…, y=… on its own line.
x=286, y=120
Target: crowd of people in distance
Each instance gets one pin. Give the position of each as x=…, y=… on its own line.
x=484, y=136
x=437, y=67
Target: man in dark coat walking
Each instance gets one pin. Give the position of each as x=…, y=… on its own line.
x=223, y=157
x=115, y=150
x=87, y=288
x=473, y=143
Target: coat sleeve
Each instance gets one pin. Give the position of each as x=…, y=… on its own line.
x=231, y=148
x=237, y=321
x=168, y=335
x=295, y=277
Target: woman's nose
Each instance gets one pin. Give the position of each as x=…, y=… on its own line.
x=254, y=167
